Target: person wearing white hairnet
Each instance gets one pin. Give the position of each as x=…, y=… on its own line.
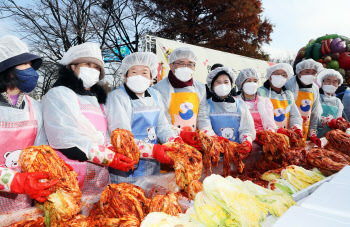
x=137, y=107
x=261, y=108
x=286, y=114
x=184, y=97
x=230, y=117
x=75, y=122
x=307, y=97
x=332, y=107
x=21, y=125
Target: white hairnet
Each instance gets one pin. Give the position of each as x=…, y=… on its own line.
x=326, y=73
x=246, y=74
x=84, y=53
x=309, y=64
x=11, y=46
x=148, y=59
x=182, y=52
x=284, y=66
x=215, y=72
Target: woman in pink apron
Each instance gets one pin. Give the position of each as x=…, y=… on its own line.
x=21, y=125
x=75, y=122
x=260, y=108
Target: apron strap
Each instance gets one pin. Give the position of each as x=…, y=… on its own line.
x=256, y=102
x=132, y=101
x=153, y=94
x=237, y=105
x=30, y=107
x=211, y=105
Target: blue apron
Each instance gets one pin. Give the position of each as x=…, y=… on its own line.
x=225, y=124
x=328, y=109
x=144, y=118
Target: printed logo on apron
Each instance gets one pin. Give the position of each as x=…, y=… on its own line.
x=225, y=124
x=183, y=110
x=329, y=112
x=281, y=113
x=304, y=104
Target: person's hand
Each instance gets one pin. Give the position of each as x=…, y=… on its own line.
x=220, y=138
x=283, y=131
x=333, y=124
x=316, y=140
x=160, y=155
x=178, y=140
x=188, y=138
x=121, y=162
x=245, y=148
x=299, y=132
x=30, y=184
x=258, y=133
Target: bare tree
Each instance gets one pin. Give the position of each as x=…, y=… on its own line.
x=51, y=27
x=284, y=59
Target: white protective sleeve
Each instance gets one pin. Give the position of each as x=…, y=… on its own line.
x=65, y=125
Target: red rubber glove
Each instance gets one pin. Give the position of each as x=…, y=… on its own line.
x=220, y=138
x=283, y=131
x=160, y=155
x=29, y=183
x=299, y=132
x=187, y=137
x=121, y=162
x=316, y=140
x=178, y=140
x=245, y=148
x=261, y=143
x=332, y=123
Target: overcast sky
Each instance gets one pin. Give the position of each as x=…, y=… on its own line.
x=296, y=22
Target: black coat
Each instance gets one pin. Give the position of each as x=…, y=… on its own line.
x=68, y=79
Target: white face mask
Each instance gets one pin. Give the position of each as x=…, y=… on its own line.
x=250, y=88
x=222, y=90
x=307, y=79
x=278, y=81
x=184, y=74
x=329, y=89
x=89, y=76
x=138, y=84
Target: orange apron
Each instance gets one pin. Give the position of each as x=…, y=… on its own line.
x=304, y=103
x=183, y=110
x=281, y=112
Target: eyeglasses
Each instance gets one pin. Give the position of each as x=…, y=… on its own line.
x=190, y=65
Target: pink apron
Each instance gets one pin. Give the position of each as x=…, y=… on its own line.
x=256, y=115
x=92, y=178
x=14, y=137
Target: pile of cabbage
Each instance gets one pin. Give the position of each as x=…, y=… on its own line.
x=165, y=220
x=292, y=179
x=232, y=202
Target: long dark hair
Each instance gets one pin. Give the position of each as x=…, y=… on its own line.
x=8, y=79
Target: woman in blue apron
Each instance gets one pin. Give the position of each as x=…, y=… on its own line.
x=136, y=107
x=75, y=120
x=332, y=107
x=229, y=117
